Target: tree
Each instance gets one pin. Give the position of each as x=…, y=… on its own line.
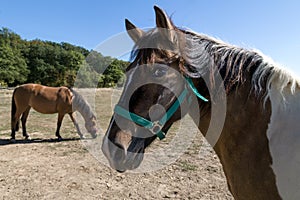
x=86, y=76
x=98, y=62
x=55, y=64
x=113, y=75
x=51, y=64
x=13, y=68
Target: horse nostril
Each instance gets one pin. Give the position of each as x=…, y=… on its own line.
x=120, y=154
x=119, y=146
x=120, y=171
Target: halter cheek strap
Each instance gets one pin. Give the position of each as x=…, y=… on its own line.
x=194, y=89
x=156, y=127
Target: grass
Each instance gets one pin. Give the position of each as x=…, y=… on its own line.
x=186, y=166
x=5, y=104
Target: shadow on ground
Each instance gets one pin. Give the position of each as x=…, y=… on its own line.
x=37, y=140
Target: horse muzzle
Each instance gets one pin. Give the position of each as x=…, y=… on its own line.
x=123, y=157
x=94, y=134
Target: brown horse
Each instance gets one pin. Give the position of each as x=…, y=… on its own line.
x=49, y=100
x=258, y=143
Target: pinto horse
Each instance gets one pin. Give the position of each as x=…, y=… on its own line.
x=259, y=144
x=49, y=100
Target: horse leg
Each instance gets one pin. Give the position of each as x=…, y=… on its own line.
x=76, y=125
x=15, y=115
x=59, y=121
x=14, y=126
x=24, y=119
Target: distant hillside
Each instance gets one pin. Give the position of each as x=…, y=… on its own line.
x=54, y=64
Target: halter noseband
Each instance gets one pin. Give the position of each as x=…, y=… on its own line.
x=156, y=127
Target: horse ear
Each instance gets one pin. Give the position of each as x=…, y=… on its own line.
x=162, y=20
x=164, y=23
x=134, y=32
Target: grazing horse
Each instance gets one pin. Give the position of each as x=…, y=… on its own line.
x=49, y=100
x=259, y=144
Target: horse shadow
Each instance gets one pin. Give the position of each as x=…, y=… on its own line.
x=4, y=142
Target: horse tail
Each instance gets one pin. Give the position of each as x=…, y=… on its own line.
x=13, y=113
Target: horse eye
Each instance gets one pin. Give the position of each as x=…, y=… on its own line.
x=160, y=71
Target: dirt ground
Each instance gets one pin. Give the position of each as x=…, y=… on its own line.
x=44, y=168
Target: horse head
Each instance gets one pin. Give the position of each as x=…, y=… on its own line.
x=155, y=95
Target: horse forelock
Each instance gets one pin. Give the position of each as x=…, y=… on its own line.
x=153, y=45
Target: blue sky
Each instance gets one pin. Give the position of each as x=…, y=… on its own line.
x=270, y=26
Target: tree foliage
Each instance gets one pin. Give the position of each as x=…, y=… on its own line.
x=55, y=64
x=13, y=67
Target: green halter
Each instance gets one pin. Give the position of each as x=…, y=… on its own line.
x=156, y=126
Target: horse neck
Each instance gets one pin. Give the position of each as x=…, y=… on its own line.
x=80, y=105
x=242, y=139
x=243, y=145
x=233, y=88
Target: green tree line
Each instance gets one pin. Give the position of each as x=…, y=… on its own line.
x=55, y=64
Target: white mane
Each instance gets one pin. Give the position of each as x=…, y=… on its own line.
x=207, y=54
x=279, y=78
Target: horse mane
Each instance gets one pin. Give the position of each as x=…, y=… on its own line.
x=81, y=105
x=204, y=55
x=236, y=64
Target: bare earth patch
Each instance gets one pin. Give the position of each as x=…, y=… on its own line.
x=46, y=169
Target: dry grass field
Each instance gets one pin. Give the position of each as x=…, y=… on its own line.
x=44, y=168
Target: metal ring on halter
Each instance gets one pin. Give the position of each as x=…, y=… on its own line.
x=156, y=127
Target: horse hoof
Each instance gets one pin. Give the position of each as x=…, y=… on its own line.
x=12, y=140
x=59, y=139
x=95, y=136
x=82, y=137
x=27, y=138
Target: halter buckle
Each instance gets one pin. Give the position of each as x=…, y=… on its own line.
x=156, y=128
